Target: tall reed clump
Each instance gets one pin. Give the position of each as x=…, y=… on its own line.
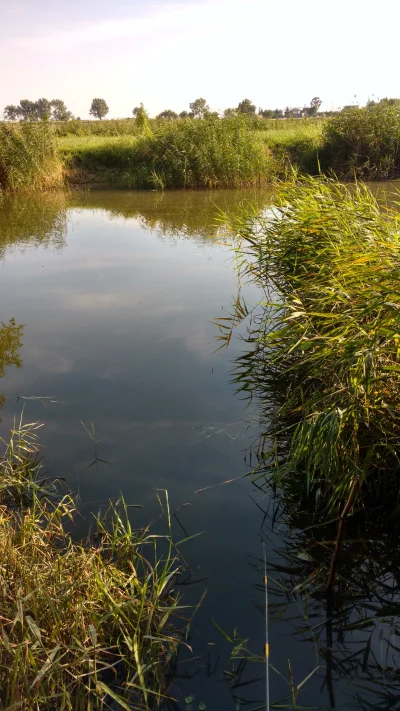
x=363, y=143
x=324, y=355
x=84, y=625
x=182, y=154
x=29, y=158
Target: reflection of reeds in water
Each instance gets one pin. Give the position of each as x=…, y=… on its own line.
x=10, y=345
x=354, y=628
x=178, y=215
x=34, y=219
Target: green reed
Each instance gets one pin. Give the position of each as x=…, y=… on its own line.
x=363, y=143
x=84, y=625
x=194, y=154
x=324, y=356
x=29, y=158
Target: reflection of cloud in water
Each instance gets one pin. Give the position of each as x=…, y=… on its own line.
x=49, y=362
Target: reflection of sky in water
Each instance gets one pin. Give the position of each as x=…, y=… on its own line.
x=118, y=330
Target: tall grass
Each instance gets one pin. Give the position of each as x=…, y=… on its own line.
x=363, y=143
x=324, y=355
x=28, y=158
x=84, y=625
x=108, y=127
x=191, y=154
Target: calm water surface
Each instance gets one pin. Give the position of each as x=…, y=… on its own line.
x=117, y=291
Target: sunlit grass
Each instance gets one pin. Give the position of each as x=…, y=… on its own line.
x=325, y=348
x=28, y=158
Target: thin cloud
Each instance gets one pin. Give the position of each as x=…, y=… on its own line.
x=171, y=17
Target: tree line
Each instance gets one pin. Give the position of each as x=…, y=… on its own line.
x=56, y=110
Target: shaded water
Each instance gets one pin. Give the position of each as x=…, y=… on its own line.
x=117, y=292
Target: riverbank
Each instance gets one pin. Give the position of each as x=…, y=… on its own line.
x=209, y=153
x=83, y=623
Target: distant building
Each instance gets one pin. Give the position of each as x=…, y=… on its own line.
x=296, y=112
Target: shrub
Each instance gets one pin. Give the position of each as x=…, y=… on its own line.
x=363, y=143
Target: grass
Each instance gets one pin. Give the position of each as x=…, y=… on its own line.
x=324, y=359
x=28, y=158
x=212, y=153
x=109, y=127
x=84, y=625
x=179, y=154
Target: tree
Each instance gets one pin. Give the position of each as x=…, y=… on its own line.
x=168, y=114
x=184, y=114
x=246, y=107
x=43, y=109
x=228, y=113
x=136, y=110
x=12, y=113
x=315, y=103
x=60, y=111
x=266, y=113
x=28, y=110
x=199, y=107
x=99, y=108
x=142, y=119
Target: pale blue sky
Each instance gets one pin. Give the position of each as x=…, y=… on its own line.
x=165, y=54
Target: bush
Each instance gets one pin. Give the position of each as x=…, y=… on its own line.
x=363, y=143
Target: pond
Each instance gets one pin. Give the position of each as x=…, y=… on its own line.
x=117, y=292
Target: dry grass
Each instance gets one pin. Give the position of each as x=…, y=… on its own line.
x=82, y=623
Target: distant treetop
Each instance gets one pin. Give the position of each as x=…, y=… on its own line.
x=40, y=110
x=246, y=107
x=199, y=108
x=99, y=108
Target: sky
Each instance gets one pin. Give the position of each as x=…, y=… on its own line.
x=165, y=53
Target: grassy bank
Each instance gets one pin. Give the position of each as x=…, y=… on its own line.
x=324, y=356
x=84, y=625
x=208, y=153
x=191, y=154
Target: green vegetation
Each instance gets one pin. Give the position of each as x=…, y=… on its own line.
x=191, y=154
x=29, y=158
x=84, y=625
x=40, y=110
x=325, y=358
x=364, y=143
x=99, y=109
x=240, y=150
x=89, y=129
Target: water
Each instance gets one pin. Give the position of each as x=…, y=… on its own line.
x=117, y=292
